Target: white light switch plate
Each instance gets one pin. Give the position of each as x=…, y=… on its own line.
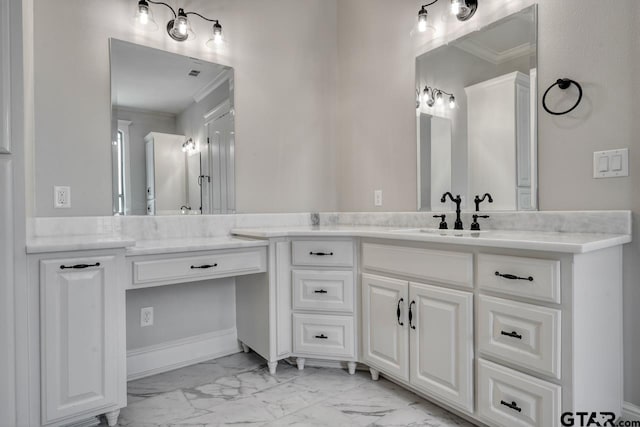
x=611, y=163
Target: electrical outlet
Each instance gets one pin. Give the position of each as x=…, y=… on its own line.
x=377, y=198
x=61, y=197
x=146, y=316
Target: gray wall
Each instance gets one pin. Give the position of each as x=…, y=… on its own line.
x=284, y=53
x=181, y=311
x=591, y=41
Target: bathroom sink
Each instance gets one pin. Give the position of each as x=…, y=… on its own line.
x=435, y=231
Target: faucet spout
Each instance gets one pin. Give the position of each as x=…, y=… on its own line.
x=458, y=201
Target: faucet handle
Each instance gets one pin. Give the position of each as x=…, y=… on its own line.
x=474, y=225
x=443, y=223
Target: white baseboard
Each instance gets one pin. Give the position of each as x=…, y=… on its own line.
x=630, y=412
x=171, y=355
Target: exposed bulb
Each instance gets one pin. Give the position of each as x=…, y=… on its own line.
x=456, y=6
x=217, y=33
x=452, y=102
x=422, y=20
x=143, y=17
x=439, y=98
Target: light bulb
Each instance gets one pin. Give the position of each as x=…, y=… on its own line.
x=452, y=102
x=180, y=30
x=422, y=20
x=143, y=17
x=217, y=33
x=439, y=98
x=456, y=6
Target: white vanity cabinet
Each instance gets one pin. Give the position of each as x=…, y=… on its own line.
x=419, y=333
x=81, y=299
x=323, y=304
x=507, y=337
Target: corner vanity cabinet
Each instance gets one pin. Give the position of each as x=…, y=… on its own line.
x=504, y=337
x=82, y=335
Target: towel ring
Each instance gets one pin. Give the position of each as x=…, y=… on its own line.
x=562, y=84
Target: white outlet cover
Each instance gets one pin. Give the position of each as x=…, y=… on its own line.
x=377, y=198
x=146, y=316
x=61, y=197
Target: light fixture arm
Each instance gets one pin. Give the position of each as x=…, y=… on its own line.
x=429, y=4
x=203, y=17
x=175, y=15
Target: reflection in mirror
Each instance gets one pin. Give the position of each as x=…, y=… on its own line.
x=172, y=123
x=476, y=117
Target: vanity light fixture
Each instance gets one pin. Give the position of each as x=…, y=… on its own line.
x=189, y=146
x=433, y=95
x=178, y=28
x=462, y=9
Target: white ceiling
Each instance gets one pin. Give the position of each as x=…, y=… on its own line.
x=511, y=38
x=155, y=80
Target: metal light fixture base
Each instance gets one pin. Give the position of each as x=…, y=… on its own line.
x=176, y=37
x=468, y=10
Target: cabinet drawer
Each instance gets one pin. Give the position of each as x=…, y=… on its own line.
x=333, y=253
x=510, y=398
x=323, y=335
x=323, y=290
x=189, y=269
x=523, y=334
x=524, y=277
x=442, y=266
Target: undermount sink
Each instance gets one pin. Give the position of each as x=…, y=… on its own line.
x=455, y=233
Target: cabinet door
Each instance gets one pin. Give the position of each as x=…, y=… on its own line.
x=442, y=343
x=386, y=339
x=79, y=336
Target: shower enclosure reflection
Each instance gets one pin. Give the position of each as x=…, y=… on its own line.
x=173, y=136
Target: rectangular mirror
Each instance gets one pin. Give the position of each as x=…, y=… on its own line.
x=172, y=124
x=476, y=100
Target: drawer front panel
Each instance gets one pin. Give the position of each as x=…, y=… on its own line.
x=510, y=398
x=323, y=290
x=323, y=335
x=524, y=277
x=442, y=266
x=185, y=269
x=333, y=253
x=524, y=334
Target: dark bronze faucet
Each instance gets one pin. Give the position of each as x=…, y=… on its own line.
x=457, y=200
x=478, y=200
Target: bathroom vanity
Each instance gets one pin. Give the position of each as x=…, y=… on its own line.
x=498, y=326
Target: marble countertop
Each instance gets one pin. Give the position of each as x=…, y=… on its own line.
x=78, y=243
x=162, y=246
x=531, y=240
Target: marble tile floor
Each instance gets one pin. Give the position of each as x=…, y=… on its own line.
x=238, y=390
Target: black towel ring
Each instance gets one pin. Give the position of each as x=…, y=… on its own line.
x=562, y=84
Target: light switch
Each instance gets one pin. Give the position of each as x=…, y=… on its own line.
x=603, y=164
x=616, y=163
x=611, y=163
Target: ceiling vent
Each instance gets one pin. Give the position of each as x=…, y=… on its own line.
x=194, y=73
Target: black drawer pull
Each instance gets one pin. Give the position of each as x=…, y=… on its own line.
x=512, y=277
x=321, y=253
x=320, y=291
x=398, y=312
x=203, y=267
x=513, y=334
x=321, y=337
x=411, y=315
x=79, y=266
x=512, y=405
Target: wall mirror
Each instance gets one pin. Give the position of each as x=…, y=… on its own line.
x=476, y=112
x=172, y=125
